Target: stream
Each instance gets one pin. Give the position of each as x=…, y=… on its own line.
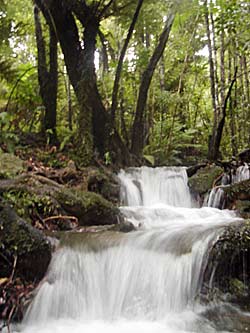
x=147, y=281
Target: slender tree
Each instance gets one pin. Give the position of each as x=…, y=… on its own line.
x=121, y=59
x=47, y=77
x=138, y=125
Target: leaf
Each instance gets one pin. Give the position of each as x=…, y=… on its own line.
x=3, y=280
x=150, y=159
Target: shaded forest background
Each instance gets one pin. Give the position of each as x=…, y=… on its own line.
x=126, y=81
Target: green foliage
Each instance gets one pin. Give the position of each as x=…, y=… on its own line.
x=107, y=158
x=177, y=147
x=30, y=206
x=178, y=119
x=7, y=138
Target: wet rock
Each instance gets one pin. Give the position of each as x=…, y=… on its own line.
x=238, y=191
x=237, y=197
x=243, y=208
x=10, y=165
x=244, y=156
x=229, y=265
x=24, y=244
x=104, y=184
x=193, y=169
x=90, y=208
x=124, y=226
x=226, y=318
x=203, y=180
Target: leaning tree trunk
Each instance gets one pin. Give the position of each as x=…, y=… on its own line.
x=221, y=123
x=121, y=59
x=138, y=125
x=47, y=77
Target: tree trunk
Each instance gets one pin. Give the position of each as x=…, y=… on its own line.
x=138, y=125
x=69, y=101
x=103, y=53
x=247, y=90
x=92, y=97
x=95, y=135
x=48, y=78
x=121, y=59
x=211, y=146
x=219, y=129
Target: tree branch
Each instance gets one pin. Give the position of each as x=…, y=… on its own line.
x=105, y=8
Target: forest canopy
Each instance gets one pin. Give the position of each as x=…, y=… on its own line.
x=125, y=81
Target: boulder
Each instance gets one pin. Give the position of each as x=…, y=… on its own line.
x=244, y=156
x=90, y=208
x=229, y=265
x=243, y=208
x=104, y=184
x=124, y=226
x=194, y=168
x=238, y=191
x=42, y=198
x=203, y=180
x=23, y=244
x=238, y=198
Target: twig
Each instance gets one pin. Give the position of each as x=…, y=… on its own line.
x=9, y=317
x=59, y=217
x=14, y=268
x=217, y=179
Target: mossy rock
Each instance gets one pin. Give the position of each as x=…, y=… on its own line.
x=10, y=165
x=244, y=156
x=44, y=198
x=243, y=208
x=104, y=184
x=201, y=182
x=21, y=241
x=90, y=208
x=229, y=263
x=238, y=191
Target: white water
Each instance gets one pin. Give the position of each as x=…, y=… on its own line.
x=216, y=197
x=242, y=173
x=144, y=282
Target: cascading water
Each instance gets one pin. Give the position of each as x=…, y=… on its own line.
x=242, y=173
x=145, y=281
x=216, y=197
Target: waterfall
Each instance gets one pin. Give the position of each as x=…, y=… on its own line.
x=242, y=173
x=145, y=281
x=146, y=186
x=216, y=197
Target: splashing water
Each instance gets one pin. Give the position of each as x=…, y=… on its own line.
x=144, y=282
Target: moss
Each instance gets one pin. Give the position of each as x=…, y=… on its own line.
x=237, y=288
x=229, y=261
x=238, y=191
x=90, y=208
x=203, y=180
x=104, y=184
x=30, y=205
x=18, y=239
x=243, y=208
x=36, y=197
x=10, y=165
